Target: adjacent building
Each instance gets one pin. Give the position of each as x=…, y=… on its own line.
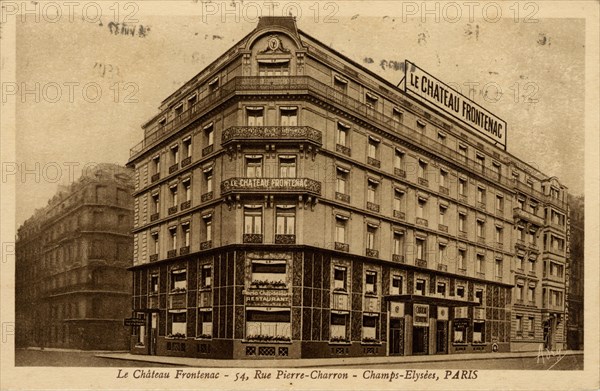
x=72, y=286
x=575, y=275
x=291, y=203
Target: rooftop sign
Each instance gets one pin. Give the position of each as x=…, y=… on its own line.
x=422, y=85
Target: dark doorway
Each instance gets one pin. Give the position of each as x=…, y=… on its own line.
x=396, y=337
x=441, y=337
x=420, y=340
x=152, y=333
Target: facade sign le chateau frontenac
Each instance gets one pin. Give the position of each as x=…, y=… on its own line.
x=290, y=203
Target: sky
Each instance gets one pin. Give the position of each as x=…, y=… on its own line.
x=96, y=88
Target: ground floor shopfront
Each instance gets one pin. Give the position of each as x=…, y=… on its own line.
x=298, y=302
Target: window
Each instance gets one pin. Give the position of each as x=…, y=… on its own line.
x=341, y=180
x=340, y=84
x=499, y=202
x=519, y=262
x=369, y=328
x=370, y=282
x=460, y=332
x=398, y=159
x=521, y=203
x=154, y=284
x=498, y=267
x=342, y=134
x=177, y=323
x=530, y=324
x=463, y=150
x=273, y=69
x=192, y=100
x=420, y=286
x=287, y=166
x=285, y=221
x=173, y=190
x=173, y=233
x=371, y=233
x=462, y=259
x=209, y=134
x=205, y=324
x=442, y=214
x=556, y=270
x=397, y=115
x=371, y=100
x=340, y=229
x=213, y=84
x=372, y=186
x=421, y=203
x=398, y=243
x=519, y=323
x=496, y=167
x=420, y=248
x=480, y=160
x=255, y=116
x=499, y=234
x=480, y=264
x=269, y=272
x=422, y=169
x=206, y=276
x=207, y=227
x=398, y=200
x=178, y=280
x=478, y=327
x=289, y=116
x=156, y=202
x=441, y=138
x=421, y=126
x=155, y=242
x=479, y=296
x=481, y=194
x=372, y=147
x=208, y=179
x=254, y=166
x=396, y=286
x=339, y=326
x=441, y=288
x=156, y=163
x=519, y=291
x=480, y=228
x=340, y=274
x=185, y=228
x=443, y=177
x=175, y=154
x=187, y=147
x=460, y=291
x=188, y=189
x=521, y=233
x=462, y=222
x=274, y=324
x=462, y=186
x=531, y=294
x=253, y=220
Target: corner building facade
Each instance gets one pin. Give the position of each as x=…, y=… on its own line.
x=291, y=203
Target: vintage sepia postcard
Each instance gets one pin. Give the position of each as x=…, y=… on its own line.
x=243, y=194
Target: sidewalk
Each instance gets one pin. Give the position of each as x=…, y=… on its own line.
x=73, y=350
x=317, y=362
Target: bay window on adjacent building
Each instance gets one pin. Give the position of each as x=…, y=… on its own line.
x=288, y=116
x=254, y=166
x=287, y=166
x=255, y=116
x=268, y=324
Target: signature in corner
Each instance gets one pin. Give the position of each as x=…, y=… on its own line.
x=546, y=355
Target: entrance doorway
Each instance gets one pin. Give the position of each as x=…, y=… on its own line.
x=548, y=334
x=152, y=333
x=419, y=340
x=396, y=337
x=441, y=337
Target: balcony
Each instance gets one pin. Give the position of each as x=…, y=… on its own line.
x=343, y=149
x=208, y=150
x=520, y=214
x=184, y=250
x=399, y=172
x=155, y=177
x=172, y=210
x=399, y=215
x=171, y=253
x=372, y=253
x=173, y=168
x=206, y=196
x=373, y=207
x=421, y=262
x=342, y=247
x=340, y=301
x=279, y=134
x=443, y=228
x=206, y=245
x=373, y=162
x=285, y=239
x=178, y=300
x=186, y=205
x=186, y=161
x=444, y=190
x=442, y=267
x=153, y=258
x=252, y=238
x=423, y=182
x=421, y=221
x=154, y=216
x=398, y=258
x=342, y=197
x=270, y=185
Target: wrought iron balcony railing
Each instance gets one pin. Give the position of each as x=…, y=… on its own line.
x=249, y=134
x=285, y=239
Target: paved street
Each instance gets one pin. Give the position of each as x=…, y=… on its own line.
x=48, y=358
